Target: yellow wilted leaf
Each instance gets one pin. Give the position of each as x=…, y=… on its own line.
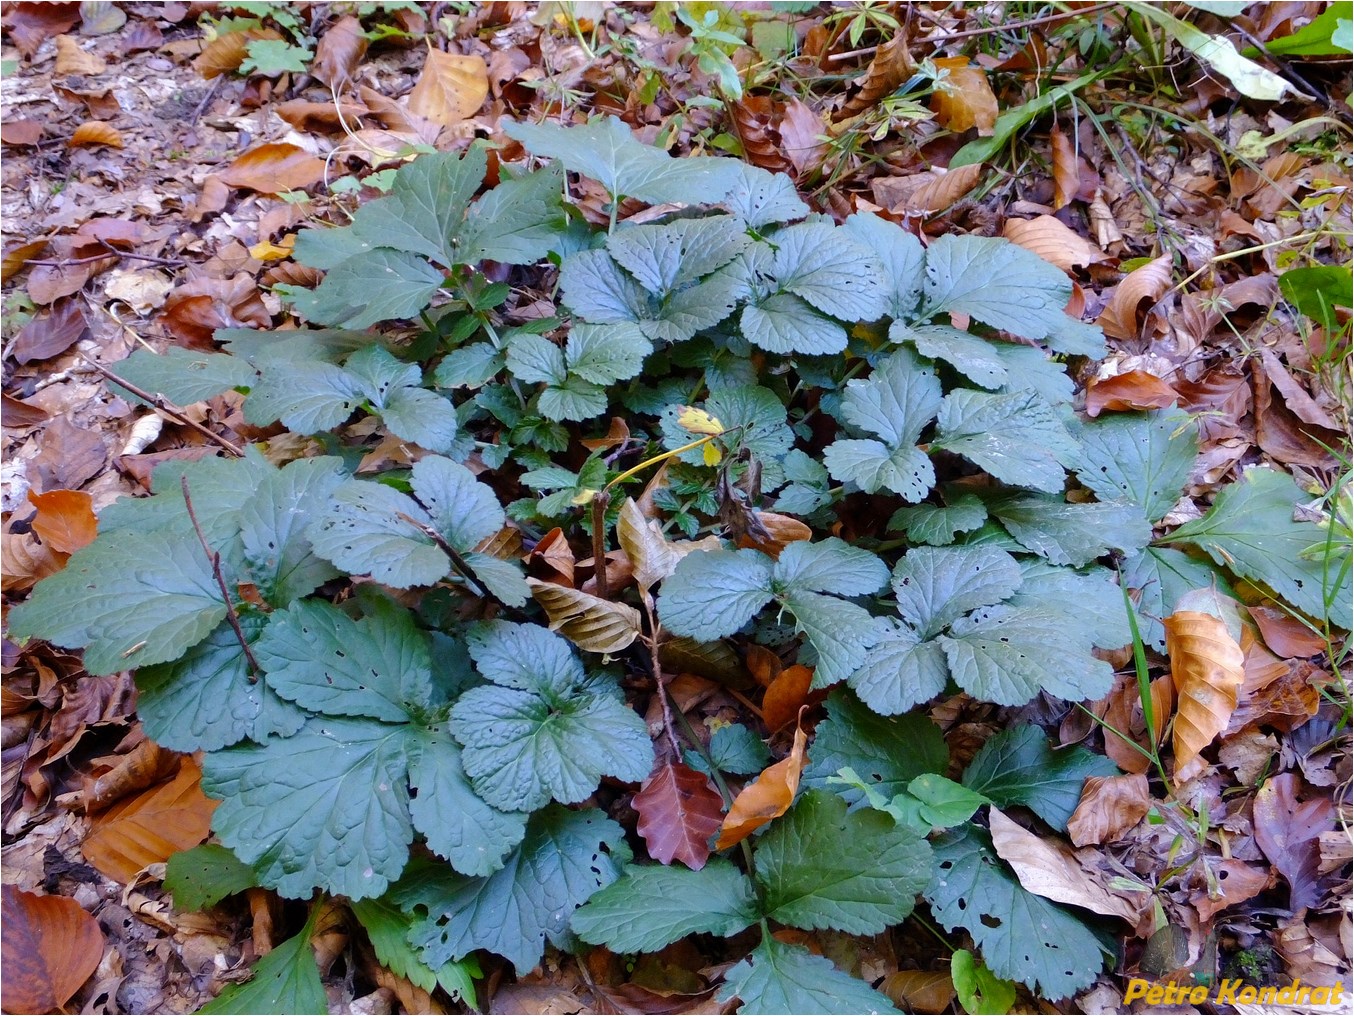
x=963, y=98
x=766, y=798
x=698, y=421
x=711, y=454
x=1207, y=667
x=584, y=496
x=451, y=88
x=266, y=250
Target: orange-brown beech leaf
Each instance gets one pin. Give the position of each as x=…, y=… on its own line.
x=1236, y=882
x=922, y=991
x=225, y=53
x=26, y=561
x=48, y=335
x=1109, y=807
x=1123, y=712
x=678, y=813
x=71, y=60
x=29, y=25
x=768, y=797
x=752, y=118
x=1207, y=670
x=1146, y=282
x=319, y=117
x=1287, y=635
x=1289, y=831
x=1054, y=242
x=65, y=520
x=16, y=257
x=785, y=696
x=763, y=665
x=802, y=133
x=152, y=826
x=51, y=948
x=142, y=767
x=450, y=88
x=339, y=51
x=1131, y=390
x=553, y=551
x=617, y=434
x=942, y=192
x=962, y=97
x=273, y=168
x=93, y=133
x=892, y=65
x=780, y=532
x=1066, y=169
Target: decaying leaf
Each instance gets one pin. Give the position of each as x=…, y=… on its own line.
x=1053, y=241
x=945, y=190
x=785, y=696
x=71, y=60
x=1289, y=832
x=892, y=65
x=1131, y=390
x=225, y=53
x=94, y=133
x=1110, y=806
x=921, y=991
x=653, y=557
x=450, y=88
x=1286, y=634
x=962, y=98
x=339, y=51
x=65, y=519
x=679, y=812
x=51, y=948
x=766, y=798
x=273, y=168
x=589, y=622
x=1207, y=671
x=1147, y=282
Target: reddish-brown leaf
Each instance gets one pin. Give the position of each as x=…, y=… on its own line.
x=754, y=123
x=31, y=24
x=943, y=191
x=93, y=133
x=225, y=53
x=1066, y=169
x=962, y=96
x=21, y=133
x=1131, y=390
x=778, y=532
x=678, y=813
x=1286, y=634
x=18, y=413
x=920, y=991
x=450, y=88
x=339, y=51
x=51, y=948
x=1237, y=882
x=1053, y=241
x=65, y=519
x=802, y=134
x=319, y=117
x=200, y=306
x=1206, y=668
x=142, y=36
x=50, y=334
x=892, y=65
x=1220, y=399
x=785, y=696
x=1288, y=831
x=1146, y=282
x=152, y=826
x=273, y=168
x=553, y=551
x=766, y=798
x=1110, y=806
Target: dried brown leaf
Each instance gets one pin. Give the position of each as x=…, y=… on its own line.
x=1236, y=883
x=225, y=53
x=803, y=135
x=450, y=88
x=785, y=696
x=317, y=117
x=26, y=561
x=1131, y=390
x=93, y=133
x=144, y=766
x=754, y=122
x=892, y=66
x=1206, y=669
x=942, y=192
x=22, y=132
x=589, y=622
x=273, y=168
x=50, y=334
x=1066, y=169
x=1146, y=282
x=962, y=97
x=1289, y=831
x=653, y=557
x=72, y=61
x=1305, y=955
x=65, y=519
x=18, y=413
x=1053, y=241
x=1287, y=635
x=29, y=25
x=921, y=991
x=1109, y=807
x=193, y=312
x=339, y=51
x=19, y=255
x=678, y=814
x=766, y=798
x=51, y=948
x=554, y=552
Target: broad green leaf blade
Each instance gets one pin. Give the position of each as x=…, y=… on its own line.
x=522, y=750
x=896, y=402
x=575, y=399
x=942, y=803
x=595, y=288
x=205, y=700
x=1068, y=533
x=977, y=359
x=783, y=323
x=516, y=223
x=890, y=752
x=980, y=991
x=734, y=749
x=383, y=285
x=829, y=566
x=320, y=658
x=272, y=528
x=526, y=657
x=761, y=198
x=502, y=579
x=1019, y=766
x=900, y=253
x=755, y=416
x=607, y=152
x=1008, y=655
x=1002, y=285
x=696, y=308
x=325, y=248
x=713, y=593
x=779, y=978
x=652, y=906
x=665, y=256
x=469, y=367
x=900, y=671
x=1160, y=576
x=285, y=981
x=873, y=466
x=1144, y=457
x=423, y=417
x=534, y=358
x=307, y=396
x=1016, y=437
x=1090, y=599
x=820, y=867
x=1251, y=531
x=463, y=510
x=426, y=205
x=840, y=632
x=204, y=876
x=388, y=929
x=939, y=525
x=184, y=376
x=370, y=528
x=605, y=354
x=139, y=599
x=936, y=585
x=1028, y=369
x=327, y=807
x=458, y=825
x=1021, y=937
x=822, y=265
x=565, y=858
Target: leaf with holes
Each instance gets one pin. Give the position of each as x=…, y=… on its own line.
x=781, y=978
x=1016, y=437
x=1143, y=458
x=1069, y=533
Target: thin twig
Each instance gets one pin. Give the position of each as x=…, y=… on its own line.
x=163, y=405
x=112, y=252
x=657, y=665
x=215, y=558
x=206, y=100
x=599, y=503
x=477, y=587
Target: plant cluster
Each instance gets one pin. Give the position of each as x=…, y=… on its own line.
x=392, y=712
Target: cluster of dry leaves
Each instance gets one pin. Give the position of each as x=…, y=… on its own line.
x=151, y=195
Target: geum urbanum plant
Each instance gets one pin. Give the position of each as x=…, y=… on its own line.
x=392, y=712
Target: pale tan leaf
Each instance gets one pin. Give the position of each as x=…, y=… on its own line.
x=1049, y=869
x=766, y=798
x=1146, y=282
x=962, y=97
x=1207, y=670
x=93, y=133
x=777, y=532
x=451, y=88
x=1053, y=241
x=1066, y=170
x=942, y=192
x=653, y=557
x=71, y=60
x=1110, y=806
x=589, y=622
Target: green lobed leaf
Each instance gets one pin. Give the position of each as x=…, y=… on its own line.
x=526, y=657
x=564, y=859
x=665, y=256
x=307, y=396
x=183, y=376
x=933, y=802
x=977, y=359
x=887, y=751
x=424, y=210
x=761, y=198
x=1016, y=437
x=712, y=594
x=1090, y=599
x=381, y=285
x=463, y=510
x=828, y=566
x=388, y=929
x=392, y=388
x=574, y=399
x=695, y=308
x=1019, y=766
x=285, y=981
x=652, y=906
x=469, y=367
x=272, y=528
x=901, y=255
x=1028, y=369
x=534, y=358
x=371, y=529
x=980, y=991
x=516, y=223
x=1068, y=533
x=780, y=978
x=204, y=876
x=936, y=585
x=604, y=354
x=596, y=289
x=939, y=525
x=733, y=749
x=840, y=632
x=784, y=323
x=824, y=266
x=1143, y=457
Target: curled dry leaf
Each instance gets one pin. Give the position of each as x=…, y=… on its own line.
x=554, y=552
x=653, y=557
x=589, y=622
x=892, y=66
x=752, y=116
x=1053, y=241
x=339, y=51
x=48, y=335
x=65, y=519
x=1066, y=169
x=785, y=696
x=942, y=192
x=777, y=532
x=679, y=812
x=921, y=991
x=93, y=133
x=962, y=97
x=1289, y=832
x=51, y=947
x=1287, y=635
x=767, y=797
x=1049, y=869
x=71, y=60
x=1207, y=671
x=1131, y=390
x=1110, y=806
x=451, y=88
x=1306, y=955
x=802, y=134
x=273, y=168
x=1146, y=282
